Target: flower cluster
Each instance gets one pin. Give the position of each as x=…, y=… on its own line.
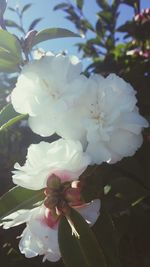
x=54, y=167
x=99, y=112
x=98, y=121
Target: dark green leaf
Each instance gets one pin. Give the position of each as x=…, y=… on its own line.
x=102, y=3
x=34, y=23
x=107, y=236
x=60, y=6
x=52, y=33
x=25, y=8
x=82, y=251
x=19, y=198
x=8, y=116
x=130, y=3
x=128, y=190
x=80, y=3
x=11, y=23
x=12, y=9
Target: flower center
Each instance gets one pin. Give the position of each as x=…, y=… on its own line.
x=61, y=196
x=54, y=94
x=96, y=114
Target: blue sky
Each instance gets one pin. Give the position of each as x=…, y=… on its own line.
x=44, y=9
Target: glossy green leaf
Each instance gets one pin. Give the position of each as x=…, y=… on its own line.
x=9, y=42
x=8, y=116
x=107, y=236
x=52, y=33
x=19, y=198
x=83, y=251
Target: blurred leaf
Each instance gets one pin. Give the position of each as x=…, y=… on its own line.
x=52, y=33
x=8, y=66
x=8, y=116
x=9, y=42
x=102, y=3
x=126, y=27
x=60, y=6
x=131, y=3
x=3, y=4
x=80, y=3
x=107, y=16
x=25, y=8
x=12, y=9
x=34, y=23
x=19, y=198
x=128, y=190
x=11, y=23
x=82, y=251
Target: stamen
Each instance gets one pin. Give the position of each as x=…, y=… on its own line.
x=74, y=231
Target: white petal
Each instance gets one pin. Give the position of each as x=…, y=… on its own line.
x=18, y=217
x=28, y=244
x=132, y=122
x=63, y=157
x=39, y=239
x=91, y=211
x=98, y=153
x=125, y=143
x=47, y=236
x=43, y=124
x=43, y=87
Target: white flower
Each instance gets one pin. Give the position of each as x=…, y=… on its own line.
x=107, y=121
x=46, y=88
x=39, y=238
x=64, y=158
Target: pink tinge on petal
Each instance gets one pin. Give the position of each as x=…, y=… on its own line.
x=63, y=175
x=73, y=196
x=49, y=219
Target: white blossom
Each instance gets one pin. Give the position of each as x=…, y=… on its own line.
x=107, y=120
x=39, y=238
x=46, y=88
x=64, y=158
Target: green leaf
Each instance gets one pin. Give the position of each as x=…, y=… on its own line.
x=103, y=4
x=8, y=66
x=9, y=42
x=80, y=3
x=107, y=236
x=82, y=251
x=25, y=8
x=127, y=192
x=19, y=198
x=8, y=116
x=11, y=23
x=34, y=23
x=60, y=6
x=12, y=9
x=52, y=33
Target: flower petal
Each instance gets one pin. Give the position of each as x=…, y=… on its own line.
x=63, y=157
x=91, y=211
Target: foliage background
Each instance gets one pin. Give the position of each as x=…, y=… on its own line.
x=123, y=228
